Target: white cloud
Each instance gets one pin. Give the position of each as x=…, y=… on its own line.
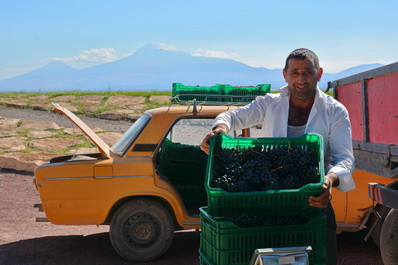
x=217, y=54
x=93, y=56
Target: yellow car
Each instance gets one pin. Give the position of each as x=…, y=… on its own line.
x=148, y=184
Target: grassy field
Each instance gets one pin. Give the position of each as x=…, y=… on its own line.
x=32, y=100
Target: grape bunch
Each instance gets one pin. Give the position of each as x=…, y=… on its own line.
x=244, y=221
x=260, y=169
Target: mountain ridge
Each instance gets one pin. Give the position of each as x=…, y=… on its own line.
x=154, y=67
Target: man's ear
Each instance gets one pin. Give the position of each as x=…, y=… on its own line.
x=320, y=72
x=284, y=74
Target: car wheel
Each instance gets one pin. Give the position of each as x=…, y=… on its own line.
x=389, y=238
x=382, y=211
x=141, y=230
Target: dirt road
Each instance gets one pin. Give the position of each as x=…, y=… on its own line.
x=24, y=241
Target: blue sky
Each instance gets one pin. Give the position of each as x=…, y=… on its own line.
x=255, y=32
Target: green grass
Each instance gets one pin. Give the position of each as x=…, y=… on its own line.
x=30, y=100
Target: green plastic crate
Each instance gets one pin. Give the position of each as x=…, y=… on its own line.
x=270, y=202
x=177, y=152
x=191, y=193
x=244, y=93
x=181, y=93
x=218, y=93
x=222, y=242
x=182, y=163
x=203, y=259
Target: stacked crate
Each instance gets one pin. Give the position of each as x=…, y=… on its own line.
x=218, y=94
x=223, y=242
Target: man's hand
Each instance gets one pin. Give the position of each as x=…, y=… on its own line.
x=321, y=201
x=205, y=145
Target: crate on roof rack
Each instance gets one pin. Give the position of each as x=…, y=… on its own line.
x=182, y=93
x=218, y=94
x=244, y=93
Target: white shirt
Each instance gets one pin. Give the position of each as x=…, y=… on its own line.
x=295, y=131
x=328, y=117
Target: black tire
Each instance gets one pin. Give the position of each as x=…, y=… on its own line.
x=383, y=211
x=389, y=238
x=141, y=230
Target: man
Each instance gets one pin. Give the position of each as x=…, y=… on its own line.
x=301, y=107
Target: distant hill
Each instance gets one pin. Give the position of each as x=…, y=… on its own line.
x=153, y=68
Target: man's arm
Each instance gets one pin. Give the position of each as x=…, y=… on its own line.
x=339, y=175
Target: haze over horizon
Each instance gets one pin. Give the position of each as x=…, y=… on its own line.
x=154, y=67
x=255, y=32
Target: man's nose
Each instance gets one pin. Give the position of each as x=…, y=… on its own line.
x=302, y=78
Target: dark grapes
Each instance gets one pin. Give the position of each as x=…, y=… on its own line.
x=260, y=169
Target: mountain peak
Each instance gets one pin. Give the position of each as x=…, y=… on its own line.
x=156, y=48
x=57, y=65
x=54, y=68
x=161, y=46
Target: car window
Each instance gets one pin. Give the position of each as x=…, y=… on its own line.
x=121, y=146
x=191, y=131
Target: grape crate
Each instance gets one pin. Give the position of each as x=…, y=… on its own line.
x=256, y=169
x=264, y=176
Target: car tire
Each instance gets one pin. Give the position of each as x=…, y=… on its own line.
x=389, y=238
x=382, y=211
x=141, y=230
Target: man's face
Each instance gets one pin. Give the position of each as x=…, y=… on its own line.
x=302, y=78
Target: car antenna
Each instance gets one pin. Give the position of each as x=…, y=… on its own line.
x=195, y=110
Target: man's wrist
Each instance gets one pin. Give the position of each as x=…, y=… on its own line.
x=333, y=179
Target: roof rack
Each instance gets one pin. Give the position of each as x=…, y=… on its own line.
x=212, y=100
x=218, y=94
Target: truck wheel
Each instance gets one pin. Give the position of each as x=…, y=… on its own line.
x=383, y=211
x=389, y=239
x=141, y=230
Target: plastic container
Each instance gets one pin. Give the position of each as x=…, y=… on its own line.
x=222, y=242
x=182, y=93
x=244, y=93
x=270, y=202
x=220, y=94
x=191, y=193
x=182, y=163
x=177, y=152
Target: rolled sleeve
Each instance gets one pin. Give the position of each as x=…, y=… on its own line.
x=346, y=182
x=341, y=151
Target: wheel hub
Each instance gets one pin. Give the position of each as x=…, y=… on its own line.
x=142, y=230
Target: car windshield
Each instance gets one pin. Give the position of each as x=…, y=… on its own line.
x=121, y=146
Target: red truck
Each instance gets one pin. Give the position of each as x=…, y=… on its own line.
x=371, y=99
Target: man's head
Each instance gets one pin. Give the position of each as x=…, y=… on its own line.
x=301, y=54
x=302, y=73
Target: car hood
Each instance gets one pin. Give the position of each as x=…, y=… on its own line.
x=102, y=146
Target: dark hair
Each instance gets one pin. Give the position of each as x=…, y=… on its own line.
x=302, y=54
